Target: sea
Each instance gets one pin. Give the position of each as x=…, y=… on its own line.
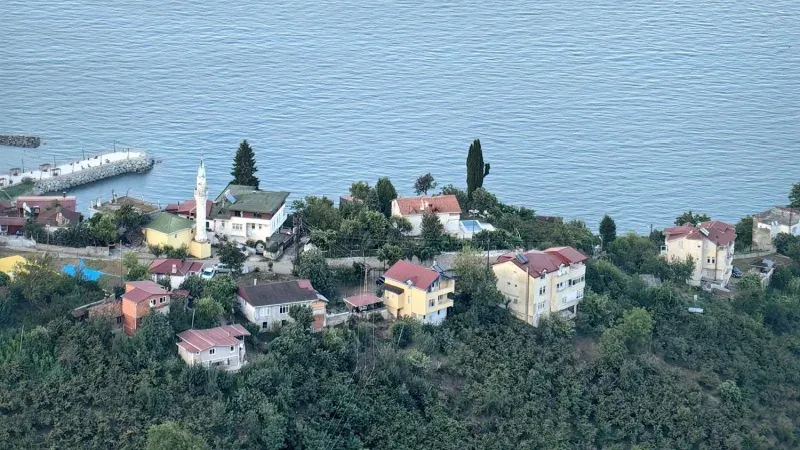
x=637, y=109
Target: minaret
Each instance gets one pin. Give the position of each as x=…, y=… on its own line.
x=200, y=197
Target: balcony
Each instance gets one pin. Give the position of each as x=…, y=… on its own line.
x=663, y=250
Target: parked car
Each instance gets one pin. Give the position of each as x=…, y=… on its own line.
x=210, y=272
x=736, y=273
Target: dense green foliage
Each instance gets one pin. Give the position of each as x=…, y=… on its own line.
x=385, y=192
x=691, y=219
x=477, y=170
x=636, y=371
x=424, y=184
x=230, y=255
x=608, y=230
x=794, y=196
x=244, y=166
x=744, y=233
x=124, y=225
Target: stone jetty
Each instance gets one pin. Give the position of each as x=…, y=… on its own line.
x=18, y=140
x=61, y=177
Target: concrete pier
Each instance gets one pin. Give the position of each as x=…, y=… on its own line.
x=17, y=140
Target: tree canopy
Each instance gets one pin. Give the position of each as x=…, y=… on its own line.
x=244, y=166
x=692, y=219
x=477, y=170
x=424, y=183
x=608, y=230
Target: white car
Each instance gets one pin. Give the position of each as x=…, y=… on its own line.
x=210, y=272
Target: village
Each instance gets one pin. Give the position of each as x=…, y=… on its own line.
x=244, y=240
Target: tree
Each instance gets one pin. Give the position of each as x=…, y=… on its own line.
x=207, y=312
x=194, y=284
x=390, y=254
x=103, y=229
x=386, y=193
x=432, y=232
x=360, y=190
x=156, y=250
x=312, y=266
x=477, y=284
x=691, y=219
x=744, y=232
x=461, y=196
x=135, y=270
x=230, y=255
x=483, y=201
x=244, y=166
x=302, y=316
x=630, y=334
x=477, y=170
x=170, y=436
x=794, y=196
x=318, y=213
x=608, y=230
x=130, y=222
x=165, y=283
x=424, y=184
x=223, y=290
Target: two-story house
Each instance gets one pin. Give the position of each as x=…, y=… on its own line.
x=709, y=244
x=445, y=207
x=539, y=283
x=139, y=299
x=175, y=270
x=410, y=290
x=244, y=213
x=267, y=305
x=771, y=222
x=221, y=347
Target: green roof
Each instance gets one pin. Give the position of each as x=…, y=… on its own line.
x=169, y=223
x=247, y=199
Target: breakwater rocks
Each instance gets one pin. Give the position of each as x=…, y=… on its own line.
x=139, y=164
x=17, y=140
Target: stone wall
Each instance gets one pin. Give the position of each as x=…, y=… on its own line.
x=16, y=140
x=64, y=182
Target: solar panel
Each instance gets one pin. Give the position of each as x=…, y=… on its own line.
x=438, y=268
x=230, y=197
x=522, y=258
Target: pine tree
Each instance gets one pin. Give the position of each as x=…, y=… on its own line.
x=386, y=193
x=608, y=230
x=476, y=168
x=244, y=166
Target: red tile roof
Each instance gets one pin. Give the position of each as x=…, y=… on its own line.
x=404, y=271
x=360, y=300
x=718, y=232
x=142, y=290
x=50, y=216
x=187, y=208
x=539, y=262
x=224, y=336
x=435, y=204
x=164, y=266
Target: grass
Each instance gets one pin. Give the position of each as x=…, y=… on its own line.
x=15, y=190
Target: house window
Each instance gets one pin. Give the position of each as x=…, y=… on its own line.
x=540, y=306
x=153, y=302
x=283, y=309
x=236, y=226
x=257, y=216
x=409, y=299
x=441, y=298
x=162, y=299
x=564, y=300
x=680, y=244
x=515, y=301
x=237, y=213
x=580, y=294
x=232, y=349
x=212, y=351
x=542, y=290
x=119, y=320
x=431, y=303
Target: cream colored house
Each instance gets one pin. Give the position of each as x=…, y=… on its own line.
x=539, y=283
x=410, y=290
x=445, y=207
x=709, y=244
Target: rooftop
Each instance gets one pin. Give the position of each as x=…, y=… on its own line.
x=278, y=293
x=435, y=204
x=138, y=291
x=717, y=232
x=405, y=272
x=200, y=340
x=139, y=204
x=246, y=199
x=779, y=215
x=357, y=301
x=188, y=207
x=50, y=216
x=165, y=266
x=169, y=223
x=537, y=263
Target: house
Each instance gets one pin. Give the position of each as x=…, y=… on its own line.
x=36, y=204
x=138, y=204
x=9, y=264
x=709, y=244
x=12, y=224
x=188, y=210
x=244, y=213
x=221, y=347
x=445, y=207
x=58, y=217
x=770, y=223
x=410, y=290
x=139, y=299
x=540, y=283
x=363, y=303
x=175, y=270
x=169, y=229
x=267, y=305
x=108, y=308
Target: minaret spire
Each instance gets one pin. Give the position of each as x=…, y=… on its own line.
x=200, y=197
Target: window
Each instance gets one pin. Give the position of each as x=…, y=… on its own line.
x=542, y=290
x=441, y=298
x=580, y=294
x=564, y=300
x=283, y=309
x=232, y=349
x=237, y=213
x=162, y=299
x=212, y=351
x=515, y=301
x=236, y=226
x=409, y=299
x=153, y=302
x=119, y=320
x=680, y=244
x=431, y=303
x=540, y=306
x=257, y=216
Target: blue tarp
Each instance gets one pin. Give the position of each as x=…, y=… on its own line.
x=88, y=274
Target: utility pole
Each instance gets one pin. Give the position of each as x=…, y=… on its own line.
x=487, y=252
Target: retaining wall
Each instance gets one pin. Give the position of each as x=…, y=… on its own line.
x=64, y=182
x=16, y=140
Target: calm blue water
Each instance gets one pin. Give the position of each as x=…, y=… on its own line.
x=636, y=109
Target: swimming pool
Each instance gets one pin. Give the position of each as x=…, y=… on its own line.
x=471, y=226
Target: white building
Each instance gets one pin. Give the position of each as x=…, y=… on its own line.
x=175, y=270
x=221, y=347
x=771, y=222
x=540, y=283
x=243, y=213
x=267, y=305
x=709, y=244
x=413, y=209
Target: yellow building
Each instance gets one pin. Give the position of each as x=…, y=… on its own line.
x=170, y=230
x=709, y=244
x=539, y=283
x=414, y=291
x=8, y=264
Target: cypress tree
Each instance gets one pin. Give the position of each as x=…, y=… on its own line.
x=476, y=168
x=386, y=193
x=608, y=230
x=244, y=166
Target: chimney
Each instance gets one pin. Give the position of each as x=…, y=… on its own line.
x=174, y=268
x=255, y=281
